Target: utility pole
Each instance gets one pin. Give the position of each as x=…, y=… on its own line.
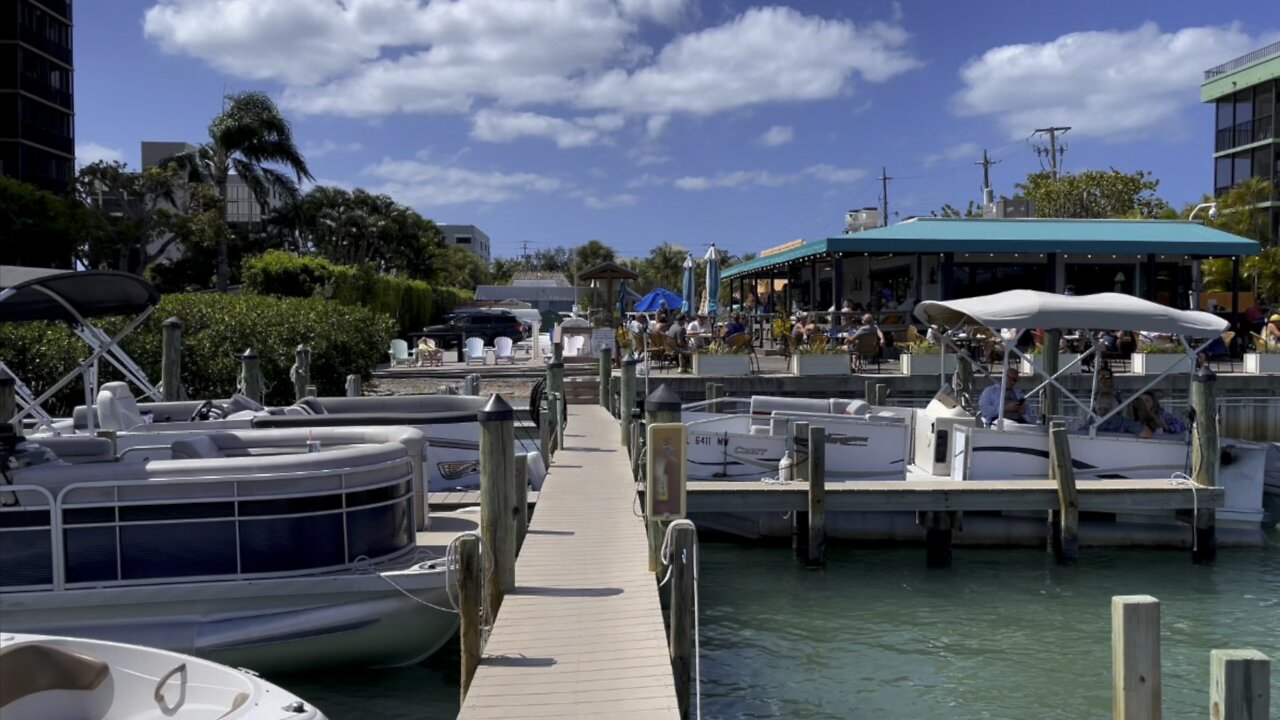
x=1054, y=152
x=884, y=197
x=524, y=254
x=986, y=164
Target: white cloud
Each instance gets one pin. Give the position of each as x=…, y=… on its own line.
x=91, y=152
x=656, y=125
x=330, y=147
x=776, y=135
x=500, y=126
x=612, y=201
x=424, y=183
x=1107, y=84
x=835, y=175
x=737, y=178
x=666, y=12
x=647, y=180
x=954, y=153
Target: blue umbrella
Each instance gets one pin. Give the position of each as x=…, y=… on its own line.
x=686, y=306
x=713, y=279
x=622, y=300
x=655, y=299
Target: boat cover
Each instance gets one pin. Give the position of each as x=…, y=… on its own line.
x=92, y=293
x=1024, y=309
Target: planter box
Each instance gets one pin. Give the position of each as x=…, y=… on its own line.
x=824, y=364
x=1262, y=363
x=1156, y=363
x=918, y=364
x=1064, y=359
x=732, y=364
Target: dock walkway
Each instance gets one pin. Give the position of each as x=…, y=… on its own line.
x=582, y=634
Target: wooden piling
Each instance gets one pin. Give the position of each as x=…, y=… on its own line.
x=471, y=384
x=470, y=617
x=680, y=641
x=715, y=391
x=1204, y=459
x=817, y=471
x=555, y=381
x=800, y=474
x=882, y=394
x=497, y=517
x=1135, y=657
x=1066, y=531
x=1239, y=685
x=557, y=351
x=353, y=386
x=938, y=525
x=561, y=418
x=605, y=371
x=1052, y=397
x=9, y=399
x=627, y=397
x=171, y=360
x=661, y=406
x=869, y=391
x=520, y=496
x=545, y=433
x=311, y=391
x=301, y=371
x=251, y=376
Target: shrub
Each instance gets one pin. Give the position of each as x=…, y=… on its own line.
x=217, y=329
x=414, y=304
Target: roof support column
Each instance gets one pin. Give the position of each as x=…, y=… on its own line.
x=947, y=275
x=1149, y=278
x=918, y=281
x=1051, y=273
x=837, y=282
x=1235, y=291
x=813, y=283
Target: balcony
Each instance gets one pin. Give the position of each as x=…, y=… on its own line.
x=48, y=138
x=1248, y=59
x=1250, y=131
x=38, y=40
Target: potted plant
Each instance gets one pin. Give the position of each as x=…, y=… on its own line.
x=925, y=358
x=1036, y=364
x=831, y=358
x=719, y=359
x=1156, y=358
x=1263, y=360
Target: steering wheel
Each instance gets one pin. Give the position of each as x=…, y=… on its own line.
x=202, y=411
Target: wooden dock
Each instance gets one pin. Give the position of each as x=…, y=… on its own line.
x=582, y=634
x=456, y=499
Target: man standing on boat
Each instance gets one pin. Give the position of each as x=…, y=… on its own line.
x=1015, y=401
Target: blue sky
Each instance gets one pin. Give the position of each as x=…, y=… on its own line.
x=638, y=122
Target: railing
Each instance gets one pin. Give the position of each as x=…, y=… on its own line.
x=1249, y=131
x=1249, y=58
x=199, y=529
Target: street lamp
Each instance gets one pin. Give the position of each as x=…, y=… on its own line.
x=1213, y=210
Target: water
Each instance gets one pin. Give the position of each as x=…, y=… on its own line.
x=1002, y=634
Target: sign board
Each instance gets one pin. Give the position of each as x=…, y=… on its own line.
x=666, y=471
x=603, y=338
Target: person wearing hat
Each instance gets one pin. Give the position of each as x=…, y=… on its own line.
x=1271, y=333
x=695, y=330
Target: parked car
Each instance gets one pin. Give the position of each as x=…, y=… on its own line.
x=487, y=325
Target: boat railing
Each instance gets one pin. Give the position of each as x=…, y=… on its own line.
x=206, y=528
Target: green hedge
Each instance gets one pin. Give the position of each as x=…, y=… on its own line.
x=217, y=329
x=414, y=304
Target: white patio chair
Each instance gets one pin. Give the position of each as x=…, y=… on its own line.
x=475, y=351
x=544, y=344
x=573, y=345
x=400, y=353
x=502, y=351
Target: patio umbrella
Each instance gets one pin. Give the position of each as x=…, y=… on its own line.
x=655, y=299
x=686, y=306
x=713, y=279
x=622, y=300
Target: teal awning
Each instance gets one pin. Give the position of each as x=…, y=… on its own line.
x=963, y=235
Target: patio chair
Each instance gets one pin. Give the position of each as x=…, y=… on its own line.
x=784, y=345
x=741, y=342
x=430, y=354
x=475, y=351
x=573, y=345
x=400, y=353
x=866, y=348
x=1218, y=350
x=1126, y=345
x=502, y=351
x=912, y=335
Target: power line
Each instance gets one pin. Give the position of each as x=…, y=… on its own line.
x=1053, y=151
x=884, y=197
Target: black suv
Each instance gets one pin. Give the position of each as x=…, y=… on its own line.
x=486, y=325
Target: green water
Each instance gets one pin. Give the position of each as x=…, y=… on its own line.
x=1001, y=634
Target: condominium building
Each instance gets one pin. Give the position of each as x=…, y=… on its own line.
x=468, y=237
x=37, y=108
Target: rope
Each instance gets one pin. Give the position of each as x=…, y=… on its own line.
x=1184, y=479
x=683, y=524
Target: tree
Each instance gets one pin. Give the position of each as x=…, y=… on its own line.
x=247, y=138
x=457, y=267
x=1241, y=211
x=591, y=254
x=972, y=210
x=39, y=228
x=1094, y=194
x=135, y=214
x=502, y=270
x=664, y=268
x=556, y=259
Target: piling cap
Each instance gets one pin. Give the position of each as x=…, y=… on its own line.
x=1205, y=375
x=249, y=354
x=172, y=322
x=556, y=364
x=496, y=410
x=664, y=399
x=630, y=359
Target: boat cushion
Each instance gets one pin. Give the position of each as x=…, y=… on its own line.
x=117, y=410
x=31, y=668
x=195, y=447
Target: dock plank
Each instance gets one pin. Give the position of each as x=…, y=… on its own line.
x=582, y=634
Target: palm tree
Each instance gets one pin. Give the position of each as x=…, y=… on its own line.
x=244, y=139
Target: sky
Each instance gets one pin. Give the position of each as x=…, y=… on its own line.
x=638, y=122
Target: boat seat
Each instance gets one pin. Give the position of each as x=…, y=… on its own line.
x=858, y=407
x=311, y=405
x=117, y=408
x=194, y=448
x=32, y=668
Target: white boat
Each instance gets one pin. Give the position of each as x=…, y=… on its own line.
x=245, y=548
x=44, y=677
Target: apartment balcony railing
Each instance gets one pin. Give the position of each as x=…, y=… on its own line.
x=52, y=140
x=38, y=40
x=1253, y=57
x=1250, y=131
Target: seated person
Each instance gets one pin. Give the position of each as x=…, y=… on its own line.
x=1271, y=333
x=679, y=331
x=1107, y=400
x=695, y=329
x=427, y=351
x=867, y=327
x=1146, y=410
x=734, y=326
x=1014, y=401
x=933, y=335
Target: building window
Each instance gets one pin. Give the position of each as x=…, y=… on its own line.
x=1222, y=174
x=1225, y=116
x=462, y=240
x=1244, y=106
x=1243, y=167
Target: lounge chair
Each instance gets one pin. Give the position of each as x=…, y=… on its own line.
x=475, y=351
x=866, y=348
x=430, y=354
x=502, y=351
x=400, y=353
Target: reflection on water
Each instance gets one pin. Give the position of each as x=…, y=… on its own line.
x=1001, y=634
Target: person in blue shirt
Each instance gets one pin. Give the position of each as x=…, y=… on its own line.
x=734, y=326
x=1014, y=401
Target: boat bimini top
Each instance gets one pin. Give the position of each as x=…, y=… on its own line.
x=1027, y=309
x=74, y=298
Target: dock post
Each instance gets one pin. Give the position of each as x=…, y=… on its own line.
x=470, y=619
x=1204, y=459
x=520, y=488
x=817, y=546
x=715, y=391
x=680, y=641
x=471, y=384
x=882, y=394
x=311, y=391
x=627, y=397
x=800, y=474
x=869, y=391
x=1066, y=531
x=557, y=351
x=662, y=406
x=1052, y=397
x=301, y=371
x=615, y=391
x=9, y=400
x=605, y=372
x=170, y=360
x=938, y=525
x=1239, y=685
x=555, y=381
x=552, y=423
x=497, y=506
x=1135, y=657
x=353, y=386
x=251, y=376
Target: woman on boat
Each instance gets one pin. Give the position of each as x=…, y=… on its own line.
x=1148, y=412
x=1108, y=399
